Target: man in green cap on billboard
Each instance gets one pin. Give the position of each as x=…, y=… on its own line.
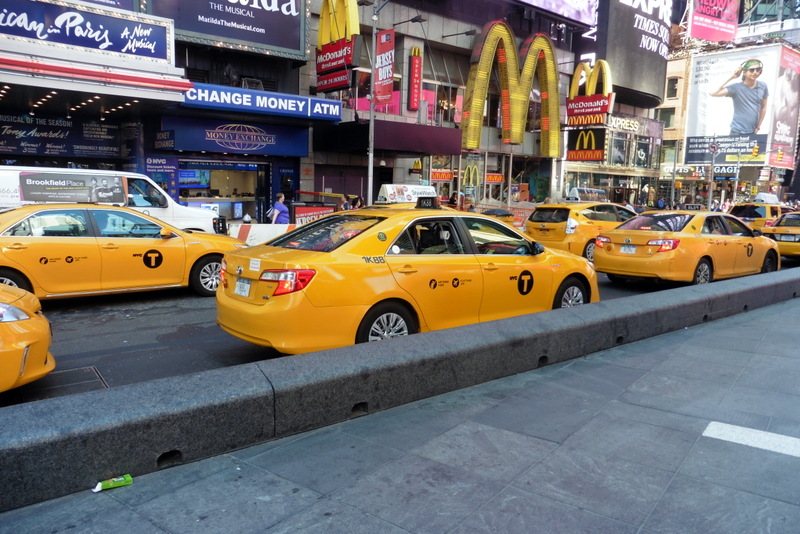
x=749, y=97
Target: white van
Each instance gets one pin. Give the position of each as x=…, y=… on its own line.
x=28, y=185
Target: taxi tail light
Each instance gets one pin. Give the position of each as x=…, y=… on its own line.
x=288, y=280
x=601, y=240
x=664, y=245
x=223, y=268
x=572, y=225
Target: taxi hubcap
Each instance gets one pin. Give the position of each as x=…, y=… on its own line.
x=387, y=326
x=573, y=296
x=209, y=276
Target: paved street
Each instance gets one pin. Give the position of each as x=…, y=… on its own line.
x=694, y=431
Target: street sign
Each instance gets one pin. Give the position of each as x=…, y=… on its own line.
x=713, y=147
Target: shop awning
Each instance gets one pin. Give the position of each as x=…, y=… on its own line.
x=63, y=75
x=397, y=137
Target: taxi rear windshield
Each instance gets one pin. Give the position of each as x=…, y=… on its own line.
x=553, y=215
x=657, y=222
x=326, y=234
x=789, y=220
x=749, y=211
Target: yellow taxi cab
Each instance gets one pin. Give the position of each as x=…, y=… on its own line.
x=67, y=250
x=786, y=233
x=25, y=351
x=573, y=226
x=377, y=273
x=757, y=215
x=684, y=246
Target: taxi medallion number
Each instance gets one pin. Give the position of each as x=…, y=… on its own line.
x=627, y=249
x=242, y=287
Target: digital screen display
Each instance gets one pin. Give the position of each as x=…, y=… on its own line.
x=194, y=179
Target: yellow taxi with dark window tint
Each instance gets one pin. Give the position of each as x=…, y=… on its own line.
x=376, y=273
x=25, y=351
x=67, y=250
x=786, y=233
x=573, y=226
x=757, y=215
x=684, y=246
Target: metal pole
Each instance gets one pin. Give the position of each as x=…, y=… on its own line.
x=736, y=181
x=371, y=141
x=674, y=171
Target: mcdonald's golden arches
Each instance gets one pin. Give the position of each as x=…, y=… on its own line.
x=497, y=43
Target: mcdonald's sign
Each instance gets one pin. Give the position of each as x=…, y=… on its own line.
x=339, y=41
x=586, y=145
x=497, y=43
x=590, y=108
x=469, y=176
x=414, y=78
x=441, y=176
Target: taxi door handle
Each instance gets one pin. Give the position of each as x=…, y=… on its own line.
x=17, y=246
x=407, y=269
x=491, y=267
x=110, y=246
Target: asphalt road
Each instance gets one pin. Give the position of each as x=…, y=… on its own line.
x=105, y=342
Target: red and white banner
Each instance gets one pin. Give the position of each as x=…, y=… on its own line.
x=383, y=74
x=414, y=81
x=714, y=20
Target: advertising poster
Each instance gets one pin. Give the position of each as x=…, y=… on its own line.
x=384, y=67
x=77, y=25
x=730, y=105
x=714, y=20
x=72, y=187
x=785, y=108
x=55, y=136
x=261, y=25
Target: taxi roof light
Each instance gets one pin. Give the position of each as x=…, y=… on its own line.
x=289, y=280
x=664, y=245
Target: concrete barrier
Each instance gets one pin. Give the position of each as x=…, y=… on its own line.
x=54, y=447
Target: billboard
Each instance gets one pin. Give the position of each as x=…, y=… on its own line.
x=633, y=36
x=742, y=98
x=252, y=25
x=712, y=20
x=581, y=11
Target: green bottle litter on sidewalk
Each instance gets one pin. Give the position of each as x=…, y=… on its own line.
x=124, y=480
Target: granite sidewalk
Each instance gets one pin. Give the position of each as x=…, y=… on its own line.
x=695, y=431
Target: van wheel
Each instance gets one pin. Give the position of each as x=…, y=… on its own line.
x=204, y=278
x=13, y=278
x=571, y=292
x=703, y=273
x=385, y=321
x=588, y=251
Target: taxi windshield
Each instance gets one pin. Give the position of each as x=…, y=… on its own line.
x=326, y=234
x=657, y=222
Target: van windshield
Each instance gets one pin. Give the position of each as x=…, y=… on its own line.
x=142, y=194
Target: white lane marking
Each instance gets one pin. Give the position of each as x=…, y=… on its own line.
x=753, y=438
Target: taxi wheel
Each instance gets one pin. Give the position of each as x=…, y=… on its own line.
x=13, y=278
x=703, y=273
x=571, y=292
x=385, y=321
x=204, y=278
x=770, y=263
x=588, y=251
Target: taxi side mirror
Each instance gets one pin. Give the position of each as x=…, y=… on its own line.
x=536, y=249
x=166, y=233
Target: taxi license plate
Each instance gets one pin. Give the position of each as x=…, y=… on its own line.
x=242, y=287
x=627, y=249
